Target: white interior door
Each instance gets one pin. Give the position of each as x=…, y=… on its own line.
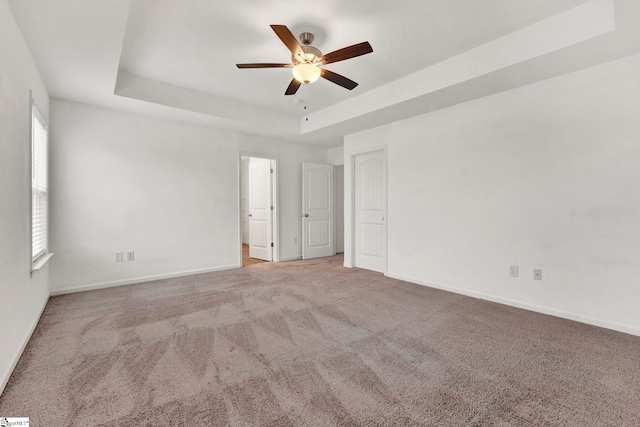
x=260, y=209
x=317, y=210
x=370, y=207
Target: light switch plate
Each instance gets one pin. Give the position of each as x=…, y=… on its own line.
x=513, y=270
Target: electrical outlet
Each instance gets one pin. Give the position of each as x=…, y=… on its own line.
x=295, y=240
x=130, y=256
x=537, y=274
x=513, y=270
x=119, y=257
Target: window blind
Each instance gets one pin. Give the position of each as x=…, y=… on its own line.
x=39, y=185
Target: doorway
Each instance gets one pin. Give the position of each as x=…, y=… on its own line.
x=258, y=209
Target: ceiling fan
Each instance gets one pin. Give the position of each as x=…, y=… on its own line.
x=307, y=61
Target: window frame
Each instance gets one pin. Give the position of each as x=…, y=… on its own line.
x=38, y=261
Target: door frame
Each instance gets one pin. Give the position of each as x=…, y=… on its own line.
x=335, y=210
x=352, y=205
x=275, y=196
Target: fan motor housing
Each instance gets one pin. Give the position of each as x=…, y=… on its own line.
x=310, y=52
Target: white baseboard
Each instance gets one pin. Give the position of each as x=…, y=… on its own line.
x=132, y=281
x=531, y=307
x=7, y=373
x=291, y=258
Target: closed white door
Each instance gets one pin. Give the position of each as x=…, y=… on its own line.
x=370, y=207
x=317, y=210
x=260, y=210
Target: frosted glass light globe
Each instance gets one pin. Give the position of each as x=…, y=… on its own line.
x=306, y=73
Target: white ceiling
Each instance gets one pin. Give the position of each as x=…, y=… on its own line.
x=177, y=59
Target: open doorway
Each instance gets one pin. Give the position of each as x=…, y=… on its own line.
x=258, y=209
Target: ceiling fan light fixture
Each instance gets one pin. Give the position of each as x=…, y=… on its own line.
x=306, y=73
x=307, y=62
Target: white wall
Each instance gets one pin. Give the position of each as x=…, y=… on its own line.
x=545, y=176
x=22, y=297
x=336, y=156
x=168, y=191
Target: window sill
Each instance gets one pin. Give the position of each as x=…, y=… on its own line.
x=40, y=262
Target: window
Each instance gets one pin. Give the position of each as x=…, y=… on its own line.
x=39, y=190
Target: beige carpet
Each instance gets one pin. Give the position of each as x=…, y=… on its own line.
x=309, y=343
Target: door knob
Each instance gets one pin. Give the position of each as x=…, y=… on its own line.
x=306, y=215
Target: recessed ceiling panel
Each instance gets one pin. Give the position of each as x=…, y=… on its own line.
x=196, y=44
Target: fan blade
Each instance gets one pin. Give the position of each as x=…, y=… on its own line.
x=346, y=53
x=338, y=79
x=293, y=87
x=268, y=65
x=289, y=40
